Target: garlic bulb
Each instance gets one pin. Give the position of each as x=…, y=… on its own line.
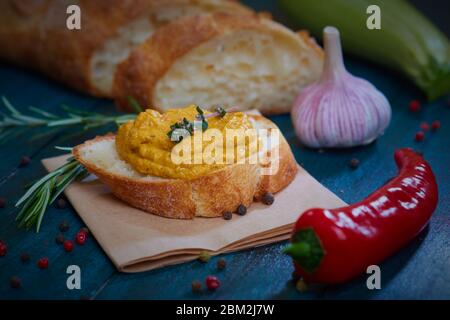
x=339, y=110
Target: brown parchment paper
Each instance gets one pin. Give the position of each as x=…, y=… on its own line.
x=138, y=241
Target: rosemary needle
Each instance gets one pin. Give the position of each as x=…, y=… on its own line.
x=45, y=191
x=14, y=119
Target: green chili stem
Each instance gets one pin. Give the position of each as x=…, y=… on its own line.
x=297, y=250
x=306, y=249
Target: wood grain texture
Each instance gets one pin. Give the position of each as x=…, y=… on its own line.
x=419, y=271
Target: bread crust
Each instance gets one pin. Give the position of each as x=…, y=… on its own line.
x=33, y=34
x=206, y=196
x=38, y=38
x=138, y=75
x=287, y=170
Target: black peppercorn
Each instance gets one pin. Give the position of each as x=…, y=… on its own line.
x=241, y=210
x=61, y=204
x=221, y=264
x=354, y=163
x=24, y=161
x=64, y=226
x=268, y=198
x=15, y=282
x=25, y=257
x=2, y=202
x=227, y=215
x=196, y=286
x=60, y=238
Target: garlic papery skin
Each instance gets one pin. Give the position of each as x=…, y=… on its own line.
x=339, y=110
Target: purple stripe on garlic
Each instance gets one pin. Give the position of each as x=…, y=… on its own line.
x=339, y=110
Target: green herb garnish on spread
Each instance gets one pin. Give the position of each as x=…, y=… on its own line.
x=221, y=111
x=201, y=117
x=185, y=124
x=188, y=127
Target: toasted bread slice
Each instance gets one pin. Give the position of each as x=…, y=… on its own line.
x=220, y=58
x=207, y=196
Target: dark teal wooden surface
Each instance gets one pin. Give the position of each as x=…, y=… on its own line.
x=419, y=271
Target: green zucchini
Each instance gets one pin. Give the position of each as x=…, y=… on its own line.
x=407, y=41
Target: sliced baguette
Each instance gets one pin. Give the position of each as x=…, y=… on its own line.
x=219, y=58
x=34, y=34
x=206, y=196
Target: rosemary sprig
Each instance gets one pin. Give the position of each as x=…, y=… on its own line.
x=44, y=192
x=135, y=106
x=15, y=119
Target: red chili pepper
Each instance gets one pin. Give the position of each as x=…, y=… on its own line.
x=333, y=246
